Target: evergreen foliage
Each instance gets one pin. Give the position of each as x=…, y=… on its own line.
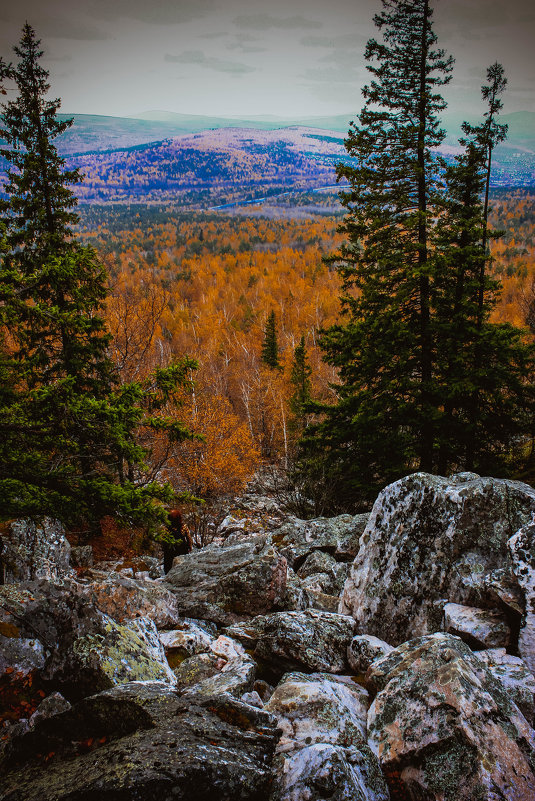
x=300, y=380
x=270, y=347
x=425, y=381
x=67, y=427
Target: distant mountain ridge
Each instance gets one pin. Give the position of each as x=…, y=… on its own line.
x=94, y=133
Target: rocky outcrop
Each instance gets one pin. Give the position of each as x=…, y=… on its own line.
x=445, y=727
x=431, y=540
x=226, y=584
x=141, y=741
x=517, y=680
x=32, y=550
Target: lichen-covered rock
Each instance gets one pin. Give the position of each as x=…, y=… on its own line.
x=480, y=628
x=444, y=726
x=309, y=640
x=19, y=656
x=53, y=704
x=227, y=648
x=147, y=744
x=320, y=563
x=363, y=650
x=226, y=584
x=522, y=548
x=124, y=598
x=428, y=540
x=339, y=536
x=318, y=708
x=322, y=753
x=323, y=601
x=236, y=677
x=196, y=668
x=326, y=772
x=187, y=639
x=33, y=550
x=86, y=651
x=518, y=681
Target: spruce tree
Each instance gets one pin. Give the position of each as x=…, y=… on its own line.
x=270, y=347
x=67, y=429
x=409, y=349
x=301, y=397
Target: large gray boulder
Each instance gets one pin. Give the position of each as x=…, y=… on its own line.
x=322, y=753
x=141, y=741
x=124, y=598
x=33, y=550
x=310, y=640
x=230, y=583
x=431, y=540
x=77, y=649
x=446, y=728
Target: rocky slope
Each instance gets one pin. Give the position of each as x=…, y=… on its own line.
x=365, y=658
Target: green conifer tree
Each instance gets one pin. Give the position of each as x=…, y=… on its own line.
x=270, y=347
x=67, y=429
x=411, y=270
x=301, y=396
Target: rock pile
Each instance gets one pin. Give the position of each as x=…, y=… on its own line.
x=367, y=658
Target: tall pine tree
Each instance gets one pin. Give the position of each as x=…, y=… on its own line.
x=411, y=271
x=270, y=347
x=67, y=430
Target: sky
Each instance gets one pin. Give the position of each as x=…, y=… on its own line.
x=288, y=58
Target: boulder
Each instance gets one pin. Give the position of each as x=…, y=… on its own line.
x=82, y=556
x=480, y=628
x=318, y=708
x=444, y=727
x=518, y=681
x=522, y=548
x=86, y=651
x=124, y=598
x=33, y=550
x=339, y=536
x=236, y=677
x=196, y=668
x=50, y=706
x=141, y=741
x=230, y=583
x=429, y=541
x=322, y=563
x=189, y=639
x=364, y=650
x=309, y=640
x=322, y=753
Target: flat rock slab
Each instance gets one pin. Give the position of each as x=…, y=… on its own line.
x=429, y=539
x=230, y=583
x=211, y=749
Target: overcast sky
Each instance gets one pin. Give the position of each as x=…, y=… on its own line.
x=246, y=57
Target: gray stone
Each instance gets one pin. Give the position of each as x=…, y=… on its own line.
x=20, y=657
x=522, y=548
x=326, y=772
x=322, y=753
x=50, y=706
x=339, y=536
x=445, y=727
x=196, y=668
x=428, y=540
x=480, y=628
x=518, y=681
x=363, y=650
x=309, y=640
x=226, y=584
x=124, y=598
x=147, y=744
x=236, y=677
x=32, y=550
x=189, y=639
